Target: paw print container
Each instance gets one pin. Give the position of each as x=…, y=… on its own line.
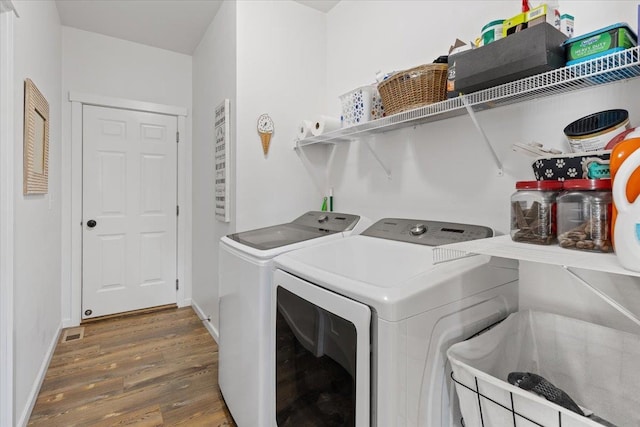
x=533, y=212
x=561, y=167
x=584, y=215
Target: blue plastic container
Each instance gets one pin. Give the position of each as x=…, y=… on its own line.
x=604, y=41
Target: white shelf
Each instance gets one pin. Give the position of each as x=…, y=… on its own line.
x=606, y=69
x=504, y=247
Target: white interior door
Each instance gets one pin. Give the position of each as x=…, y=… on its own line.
x=129, y=195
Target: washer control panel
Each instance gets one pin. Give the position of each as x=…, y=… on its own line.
x=328, y=221
x=424, y=232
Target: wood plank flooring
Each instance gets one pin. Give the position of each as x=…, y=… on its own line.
x=153, y=369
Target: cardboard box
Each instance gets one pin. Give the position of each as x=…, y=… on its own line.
x=528, y=19
x=533, y=51
x=566, y=24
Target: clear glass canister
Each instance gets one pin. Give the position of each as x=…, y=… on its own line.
x=584, y=215
x=533, y=212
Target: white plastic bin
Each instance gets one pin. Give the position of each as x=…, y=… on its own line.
x=598, y=367
x=361, y=105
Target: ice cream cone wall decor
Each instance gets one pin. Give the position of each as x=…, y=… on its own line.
x=265, y=129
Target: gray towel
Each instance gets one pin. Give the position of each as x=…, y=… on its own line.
x=540, y=386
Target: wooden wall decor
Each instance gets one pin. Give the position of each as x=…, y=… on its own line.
x=36, y=141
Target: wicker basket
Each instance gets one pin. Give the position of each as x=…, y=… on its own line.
x=414, y=88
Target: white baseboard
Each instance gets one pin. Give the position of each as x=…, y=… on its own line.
x=207, y=323
x=68, y=323
x=185, y=303
x=33, y=395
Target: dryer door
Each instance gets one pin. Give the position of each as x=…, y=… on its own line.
x=322, y=356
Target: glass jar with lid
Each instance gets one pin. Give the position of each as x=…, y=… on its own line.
x=584, y=215
x=533, y=212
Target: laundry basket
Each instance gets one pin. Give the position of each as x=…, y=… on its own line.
x=598, y=367
x=414, y=88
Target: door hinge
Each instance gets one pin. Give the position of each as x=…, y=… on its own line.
x=177, y=284
x=177, y=136
x=177, y=210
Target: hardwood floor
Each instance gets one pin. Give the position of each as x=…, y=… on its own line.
x=154, y=369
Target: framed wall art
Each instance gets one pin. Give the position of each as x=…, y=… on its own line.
x=222, y=152
x=36, y=141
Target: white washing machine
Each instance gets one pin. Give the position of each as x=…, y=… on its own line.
x=245, y=269
x=362, y=324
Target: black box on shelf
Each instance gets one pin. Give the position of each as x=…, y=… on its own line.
x=532, y=51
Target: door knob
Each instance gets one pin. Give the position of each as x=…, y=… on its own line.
x=91, y=223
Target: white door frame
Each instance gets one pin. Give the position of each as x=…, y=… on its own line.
x=7, y=141
x=75, y=170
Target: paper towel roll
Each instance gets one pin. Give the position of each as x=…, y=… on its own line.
x=304, y=129
x=325, y=124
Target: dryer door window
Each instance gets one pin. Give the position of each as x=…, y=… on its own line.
x=319, y=353
x=315, y=368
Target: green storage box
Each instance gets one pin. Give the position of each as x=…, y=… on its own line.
x=601, y=42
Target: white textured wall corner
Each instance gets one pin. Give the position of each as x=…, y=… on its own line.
x=266, y=57
x=6, y=219
x=281, y=71
x=37, y=218
x=214, y=79
x=206, y=321
x=23, y=420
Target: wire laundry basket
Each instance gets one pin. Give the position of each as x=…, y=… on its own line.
x=595, y=365
x=517, y=417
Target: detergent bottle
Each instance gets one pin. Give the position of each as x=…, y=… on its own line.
x=627, y=230
x=619, y=153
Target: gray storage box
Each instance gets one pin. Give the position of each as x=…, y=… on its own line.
x=532, y=51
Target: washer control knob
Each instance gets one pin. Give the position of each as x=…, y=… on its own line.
x=418, y=229
x=323, y=218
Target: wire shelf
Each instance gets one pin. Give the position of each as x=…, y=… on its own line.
x=443, y=254
x=606, y=69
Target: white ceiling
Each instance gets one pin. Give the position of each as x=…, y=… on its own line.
x=176, y=25
x=321, y=5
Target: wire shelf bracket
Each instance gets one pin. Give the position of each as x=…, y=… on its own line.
x=321, y=183
x=485, y=139
x=603, y=296
x=385, y=168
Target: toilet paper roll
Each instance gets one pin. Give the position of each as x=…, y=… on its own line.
x=325, y=124
x=304, y=129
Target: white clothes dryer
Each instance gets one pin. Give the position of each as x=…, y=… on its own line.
x=245, y=271
x=362, y=324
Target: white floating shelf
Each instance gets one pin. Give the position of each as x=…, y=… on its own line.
x=606, y=69
x=504, y=247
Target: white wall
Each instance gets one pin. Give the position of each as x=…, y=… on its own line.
x=386, y=35
x=106, y=66
x=442, y=170
x=102, y=65
x=281, y=71
x=37, y=256
x=278, y=48
x=214, y=79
